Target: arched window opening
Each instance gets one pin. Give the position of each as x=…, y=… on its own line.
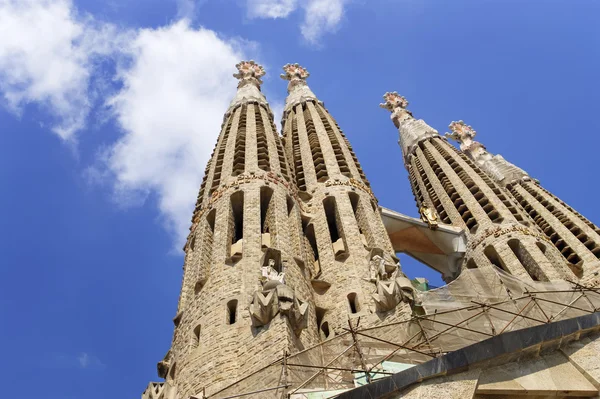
x=330, y=213
x=320, y=312
x=354, y=201
x=515, y=247
x=334, y=224
x=197, y=335
x=309, y=232
x=353, y=302
x=325, y=330
x=232, y=311
x=236, y=226
x=471, y=264
x=359, y=216
x=492, y=255
x=266, y=214
x=210, y=218
x=528, y=263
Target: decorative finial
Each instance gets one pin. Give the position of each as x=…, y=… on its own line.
x=249, y=69
x=294, y=71
x=393, y=100
x=461, y=131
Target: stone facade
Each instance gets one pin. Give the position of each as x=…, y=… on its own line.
x=280, y=254
x=287, y=247
x=577, y=239
x=355, y=271
x=450, y=187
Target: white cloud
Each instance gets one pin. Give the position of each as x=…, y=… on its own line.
x=47, y=56
x=172, y=87
x=320, y=16
x=175, y=91
x=271, y=8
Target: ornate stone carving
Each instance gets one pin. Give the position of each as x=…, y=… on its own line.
x=380, y=269
x=460, y=131
x=429, y=216
x=263, y=307
x=294, y=71
x=276, y=297
x=249, y=71
x=397, y=104
x=412, y=131
x=298, y=90
x=390, y=293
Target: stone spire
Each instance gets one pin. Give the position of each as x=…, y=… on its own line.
x=495, y=166
x=449, y=186
x=575, y=237
x=298, y=90
x=411, y=130
x=355, y=271
x=245, y=296
x=248, y=89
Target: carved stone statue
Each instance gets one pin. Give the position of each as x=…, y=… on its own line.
x=429, y=216
x=380, y=269
x=390, y=293
x=276, y=297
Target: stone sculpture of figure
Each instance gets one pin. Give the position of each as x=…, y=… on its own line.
x=270, y=277
x=380, y=269
x=429, y=216
x=276, y=297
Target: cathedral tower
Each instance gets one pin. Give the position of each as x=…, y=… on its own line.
x=246, y=295
x=577, y=239
x=450, y=187
x=354, y=270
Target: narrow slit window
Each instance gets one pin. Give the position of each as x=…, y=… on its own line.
x=492, y=255
x=331, y=215
x=237, y=210
x=197, y=335
x=325, y=330
x=266, y=194
x=232, y=311
x=353, y=302
x=309, y=232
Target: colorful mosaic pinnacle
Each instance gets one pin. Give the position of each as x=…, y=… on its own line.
x=248, y=69
x=393, y=100
x=294, y=70
x=460, y=131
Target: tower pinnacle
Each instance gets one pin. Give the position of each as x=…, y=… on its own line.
x=412, y=131
x=249, y=74
x=495, y=165
x=298, y=90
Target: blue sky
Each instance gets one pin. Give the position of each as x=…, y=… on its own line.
x=109, y=111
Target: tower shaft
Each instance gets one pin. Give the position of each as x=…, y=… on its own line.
x=246, y=296
x=576, y=238
x=355, y=271
x=450, y=186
